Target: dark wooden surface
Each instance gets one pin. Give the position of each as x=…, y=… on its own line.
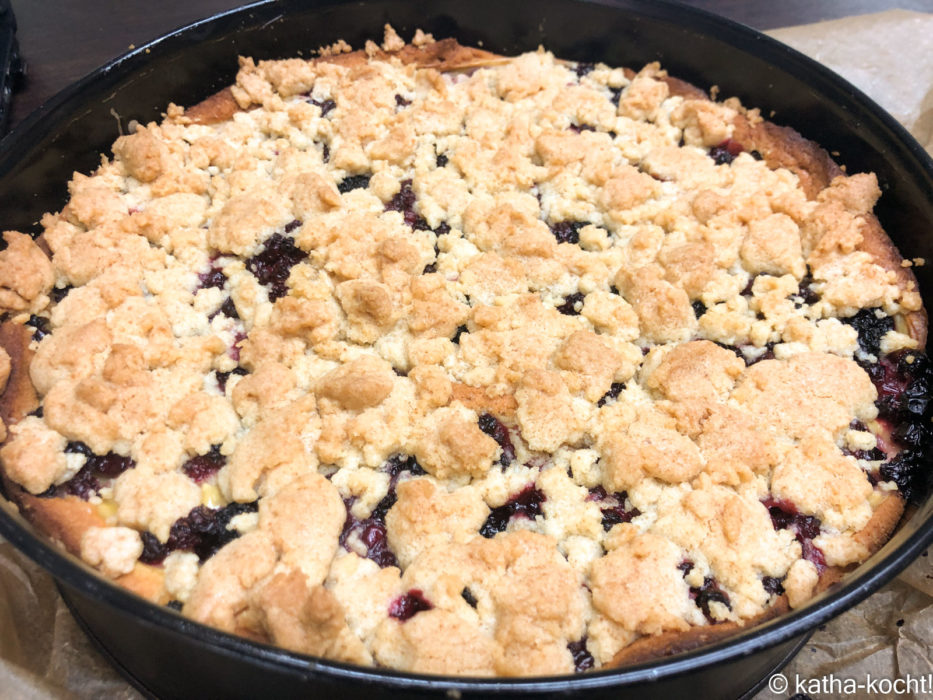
x=62, y=40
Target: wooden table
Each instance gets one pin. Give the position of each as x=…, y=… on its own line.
x=62, y=40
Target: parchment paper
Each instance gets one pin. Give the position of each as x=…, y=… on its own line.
x=45, y=656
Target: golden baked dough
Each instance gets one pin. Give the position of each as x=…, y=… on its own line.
x=456, y=363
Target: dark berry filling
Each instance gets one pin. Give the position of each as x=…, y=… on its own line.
x=459, y=332
x=401, y=101
x=685, y=567
x=59, y=293
x=153, y=550
x=228, y=309
x=496, y=429
x=222, y=377
x=904, y=381
x=441, y=160
x=699, y=308
x=612, y=507
x=805, y=291
x=615, y=389
x=725, y=153
x=41, y=325
x=708, y=593
x=354, y=182
x=374, y=537
x=910, y=470
x=773, y=585
x=404, y=202
x=582, y=69
x=274, y=263
x=202, y=467
x=203, y=531
x=874, y=454
x=408, y=605
x=785, y=516
x=212, y=279
x=175, y=605
x=86, y=482
x=567, y=231
x=870, y=329
x=768, y=354
x=83, y=485
x=234, y=351
x=468, y=596
x=580, y=128
x=400, y=464
x=525, y=504
x=572, y=305
x=372, y=530
x=582, y=658
x=325, y=105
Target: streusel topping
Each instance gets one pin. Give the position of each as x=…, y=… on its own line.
x=484, y=371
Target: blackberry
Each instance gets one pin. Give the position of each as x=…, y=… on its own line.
x=274, y=264
x=202, y=467
x=725, y=153
x=571, y=302
x=404, y=202
x=708, y=593
x=525, y=504
x=354, y=182
x=408, y=605
x=325, y=105
x=870, y=329
x=212, y=279
x=41, y=325
x=567, y=231
x=773, y=585
x=495, y=429
x=615, y=389
x=582, y=659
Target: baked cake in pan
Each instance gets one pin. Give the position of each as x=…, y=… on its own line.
x=428, y=358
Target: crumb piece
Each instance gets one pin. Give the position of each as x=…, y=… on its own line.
x=425, y=516
x=307, y=619
x=305, y=544
x=639, y=586
x=450, y=444
x=26, y=274
x=222, y=595
x=435, y=641
x=34, y=457
x=800, y=582
x=114, y=550
x=359, y=384
x=545, y=410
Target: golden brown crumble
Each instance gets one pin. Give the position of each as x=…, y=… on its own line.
x=543, y=349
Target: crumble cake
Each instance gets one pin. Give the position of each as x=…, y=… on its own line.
x=437, y=360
